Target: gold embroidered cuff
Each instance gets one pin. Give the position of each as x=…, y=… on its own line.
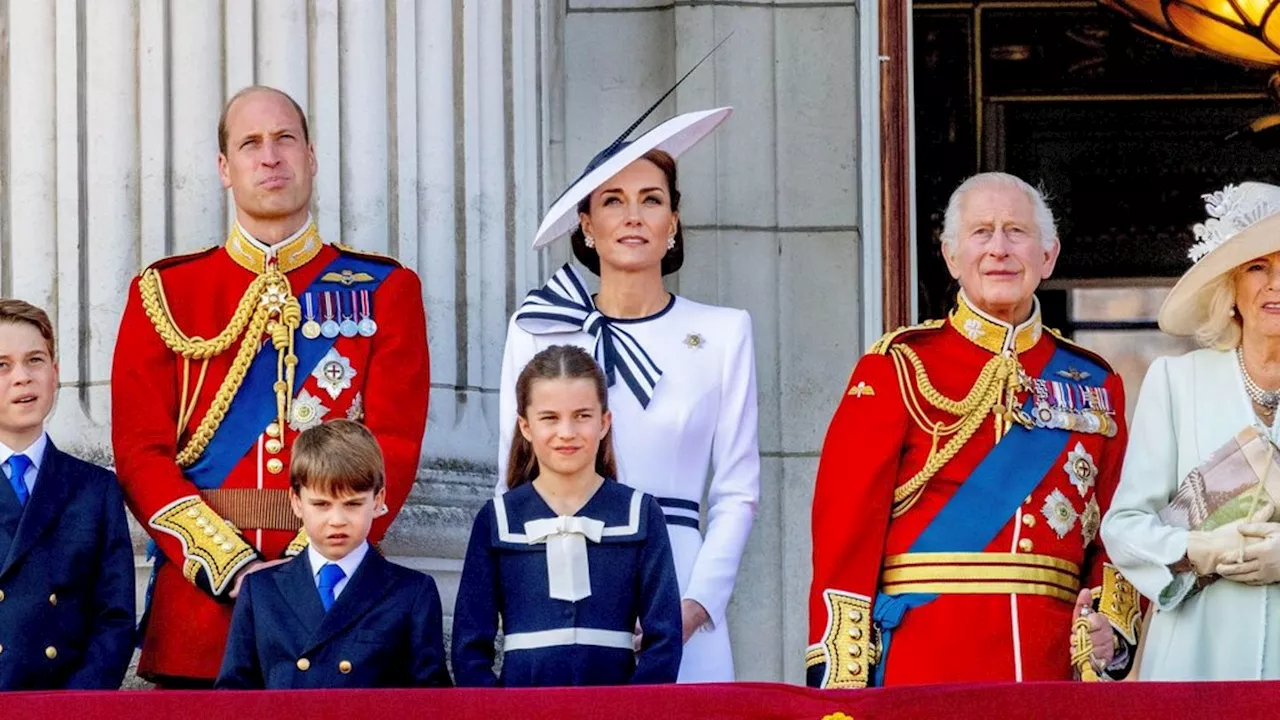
x=1121, y=604
x=846, y=645
x=209, y=543
x=297, y=544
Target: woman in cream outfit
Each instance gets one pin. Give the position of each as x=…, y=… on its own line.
x=681, y=373
x=1217, y=607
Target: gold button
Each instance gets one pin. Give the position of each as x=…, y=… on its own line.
x=1029, y=520
x=201, y=522
x=51, y=652
x=53, y=599
x=855, y=651
x=855, y=616
x=344, y=667
x=193, y=512
x=1, y=648
x=304, y=664
x=1, y=596
x=1027, y=501
x=1025, y=544
x=274, y=466
x=273, y=430
x=274, y=446
x=855, y=633
x=855, y=668
x=227, y=547
x=208, y=530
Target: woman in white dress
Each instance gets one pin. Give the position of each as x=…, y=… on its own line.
x=1215, y=592
x=681, y=373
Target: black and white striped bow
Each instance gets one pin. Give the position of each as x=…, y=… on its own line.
x=564, y=305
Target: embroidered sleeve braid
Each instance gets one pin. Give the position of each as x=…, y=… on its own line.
x=846, y=647
x=213, y=549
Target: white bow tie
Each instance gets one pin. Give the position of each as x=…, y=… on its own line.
x=568, y=572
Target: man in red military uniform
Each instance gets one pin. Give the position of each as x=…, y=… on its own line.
x=963, y=480
x=225, y=355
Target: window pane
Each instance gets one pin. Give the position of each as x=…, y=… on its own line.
x=1129, y=304
x=1131, y=352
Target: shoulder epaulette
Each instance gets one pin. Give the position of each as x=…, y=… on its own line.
x=367, y=254
x=173, y=260
x=1076, y=347
x=882, y=345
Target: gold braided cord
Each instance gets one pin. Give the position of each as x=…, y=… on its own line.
x=997, y=380
x=156, y=305
x=1082, y=649
x=267, y=306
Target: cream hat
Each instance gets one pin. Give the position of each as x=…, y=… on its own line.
x=1243, y=224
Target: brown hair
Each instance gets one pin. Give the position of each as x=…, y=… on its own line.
x=674, y=258
x=222, y=119
x=20, y=312
x=340, y=457
x=556, y=362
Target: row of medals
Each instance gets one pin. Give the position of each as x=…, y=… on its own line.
x=1083, y=420
x=348, y=327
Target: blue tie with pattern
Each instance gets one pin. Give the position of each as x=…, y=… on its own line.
x=18, y=464
x=330, y=576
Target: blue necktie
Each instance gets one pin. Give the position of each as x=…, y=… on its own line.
x=330, y=576
x=18, y=464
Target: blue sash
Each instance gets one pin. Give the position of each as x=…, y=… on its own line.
x=986, y=500
x=254, y=406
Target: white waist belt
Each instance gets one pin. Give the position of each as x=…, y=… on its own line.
x=569, y=636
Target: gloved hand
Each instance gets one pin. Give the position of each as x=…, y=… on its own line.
x=1260, y=562
x=1207, y=550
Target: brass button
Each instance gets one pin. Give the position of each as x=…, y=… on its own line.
x=1029, y=520
x=1, y=596
x=855, y=651
x=344, y=667
x=855, y=616
x=227, y=547
x=1, y=648
x=1025, y=545
x=855, y=668
x=51, y=652
x=273, y=430
x=274, y=466
x=274, y=446
x=304, y=664
x=1027, y=501
x=53, y=599
x=193, y=513
x=855, y=633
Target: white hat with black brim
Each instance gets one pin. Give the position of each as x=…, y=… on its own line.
x=673, y=137
x=1243, y=224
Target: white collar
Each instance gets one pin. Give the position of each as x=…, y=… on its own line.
x=270, y=250
x=34, y=452
x=348, y=563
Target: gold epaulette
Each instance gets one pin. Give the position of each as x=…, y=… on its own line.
x=367, y=254
x=297, y=544
x=881, y=346
x=173, y=260
x=1077, y=347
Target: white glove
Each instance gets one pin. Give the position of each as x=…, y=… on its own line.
x=1259, y=564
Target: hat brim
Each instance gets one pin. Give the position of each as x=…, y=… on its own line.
x=673, y=137
x=1186, y=307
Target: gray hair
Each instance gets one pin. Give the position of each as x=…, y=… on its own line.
x=1044, y=216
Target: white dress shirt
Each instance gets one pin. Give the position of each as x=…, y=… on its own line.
x=34, y=453
x=348, y=565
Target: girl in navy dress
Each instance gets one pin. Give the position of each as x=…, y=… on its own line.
x=569, y=561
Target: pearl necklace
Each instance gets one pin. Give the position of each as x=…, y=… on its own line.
x=1268, y=399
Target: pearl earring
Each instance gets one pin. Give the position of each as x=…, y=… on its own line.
x=588, y=241
x=1232, y=311
x=671, y=243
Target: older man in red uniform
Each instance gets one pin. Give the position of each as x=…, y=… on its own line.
x=963, y=479
x=225, y=355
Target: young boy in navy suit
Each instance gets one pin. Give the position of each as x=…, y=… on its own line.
x=338, y=614
x=66, y=562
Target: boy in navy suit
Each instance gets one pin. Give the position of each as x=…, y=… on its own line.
x=337, y=614
x=66, y=562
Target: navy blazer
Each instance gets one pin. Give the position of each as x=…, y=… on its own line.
x=385, y=630
x=552, y=642
x=67, y=583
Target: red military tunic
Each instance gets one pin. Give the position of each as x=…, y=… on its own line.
x=1001, y=615
x=206, y=538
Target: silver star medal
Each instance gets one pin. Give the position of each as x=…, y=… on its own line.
x=307, y=412
x=333, y=373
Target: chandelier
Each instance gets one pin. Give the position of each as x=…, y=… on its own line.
x=1241, y=31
